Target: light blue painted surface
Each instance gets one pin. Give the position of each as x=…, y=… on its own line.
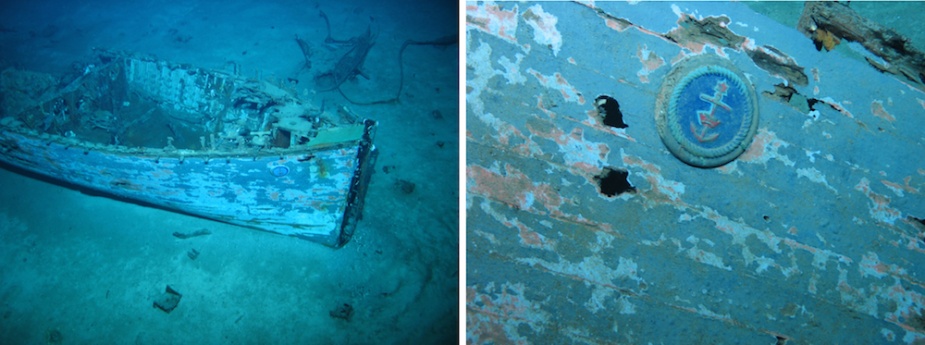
x=810, y=236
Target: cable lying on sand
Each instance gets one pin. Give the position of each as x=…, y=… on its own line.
x=442, y=41
x=348, y=66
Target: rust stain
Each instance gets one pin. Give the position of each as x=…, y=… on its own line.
x=880, y=208
x=616, y=24
x=557, y=82
x=764, y=147
x=663, y=190
x=491, y=19
x=650, y=62
x=508, y=135
x=876, y=107
x=499, y=317
x=513, y=188
x=837, y=106
x=900, y=188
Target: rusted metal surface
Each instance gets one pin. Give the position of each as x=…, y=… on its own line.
x=813, y=235
x=270, y=161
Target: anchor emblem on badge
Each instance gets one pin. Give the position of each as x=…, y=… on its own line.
x=706, y=112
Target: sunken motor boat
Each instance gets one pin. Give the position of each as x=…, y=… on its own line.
x=207, y=143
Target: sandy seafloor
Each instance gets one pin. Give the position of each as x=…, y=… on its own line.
x=89, y=267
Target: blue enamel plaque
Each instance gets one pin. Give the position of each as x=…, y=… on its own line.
x=706, y=112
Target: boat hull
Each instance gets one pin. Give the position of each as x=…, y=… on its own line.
x=264, y=159
x=318, y=199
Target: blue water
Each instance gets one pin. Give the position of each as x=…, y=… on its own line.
x=82, y=269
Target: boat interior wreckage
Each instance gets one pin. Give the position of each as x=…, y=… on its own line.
x=258, y=155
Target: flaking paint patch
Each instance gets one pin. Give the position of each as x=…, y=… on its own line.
x=528, y=237
x=741, y=231
x=703, y=256
x=593, y=270
x=593, y=120
x=512, y=69
x=662, y=189
x=765, y=146
x=815, y=176
x=879, y=207
x=544, y=28
x=837, y=106
x=901, y=189
x=650, y=62
x=512, y=188
x=508, y=133
x=557, y=82
x=498, y=317
x=578, y=153
x=488, y=17
x=479, y=60
x=516, y=189
x=871, y=265
x=876, y=108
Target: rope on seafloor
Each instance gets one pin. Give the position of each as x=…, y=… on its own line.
x=442, y=41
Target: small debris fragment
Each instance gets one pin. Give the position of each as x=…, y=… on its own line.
x=200, y=232
x=773, y=60
x=168, y=300
x=343, y=312
x=406, y=187
x=827, y=23
x=54, y=337
x=712, y=30
x=193, y=254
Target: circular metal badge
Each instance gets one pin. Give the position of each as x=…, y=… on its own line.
x=706, y=112
x=279, y=170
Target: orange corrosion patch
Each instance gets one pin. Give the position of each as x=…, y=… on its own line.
x=513, y=188
x=557, y=82
x=495, y=314
x=876, y=107
x=618, y=25
x=542, y=107
x=274, y=196
x=765, y=146
x=835, y=105
x=528, y=236
x=879, y=204
x=663, y=190
x=650, y=62
x=586, y=156
x=493, y=20
x=571, y=60
x=900, y=188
